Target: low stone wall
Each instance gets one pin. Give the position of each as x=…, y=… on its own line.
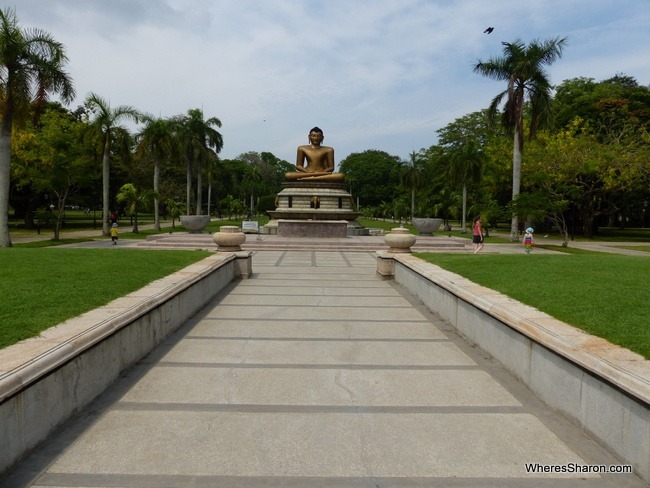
x=47, y=379
x=602, y=387
x=312, y=228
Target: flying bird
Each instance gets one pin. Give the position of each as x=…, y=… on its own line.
x=488, y=30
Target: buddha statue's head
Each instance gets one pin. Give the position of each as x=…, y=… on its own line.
x=316, y=135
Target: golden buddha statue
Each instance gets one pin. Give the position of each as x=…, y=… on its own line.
x=319, y=159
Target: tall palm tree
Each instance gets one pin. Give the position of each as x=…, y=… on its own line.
x=464, y=166
x=31, y=66
x=253, y=182
x=412, y=175
x=105, y=122
x=213, y=172
x=197, y=138
x=157, y=141
x=522, y=67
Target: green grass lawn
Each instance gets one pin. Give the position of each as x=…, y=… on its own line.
x=43, y=287
x=604, y=295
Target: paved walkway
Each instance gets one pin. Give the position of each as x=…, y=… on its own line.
x=258, y=242
x=315, y=373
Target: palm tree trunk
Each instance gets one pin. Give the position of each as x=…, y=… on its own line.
x=199, y=190
x=189, y=187
x=209, y=195
x=105, y=185
x=5, y=174
x=413, y=204
x=516, y=182
x=156, y=189
x=463, y=225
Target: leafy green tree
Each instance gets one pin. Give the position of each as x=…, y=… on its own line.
x=103, y=128
x=30, y=61
x=570, y=166
x=157, y=141
x=617, y=110
x=376, y=176
x=50, y=159
x=522, y=68
x=279, y=167
x=462, y=143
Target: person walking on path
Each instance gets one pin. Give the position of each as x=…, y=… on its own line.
x=477, y=235
x=114, y=233
x=528, y=240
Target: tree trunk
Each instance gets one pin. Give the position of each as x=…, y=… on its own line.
x=199, y=190
x=156, y=189
x=463, y=224
x=135, y=223
x=413, y=204
x=209, y=195
x=60, y=212
x=106, y=184
x=5, y=175
x=516, y=182
x=189, y=187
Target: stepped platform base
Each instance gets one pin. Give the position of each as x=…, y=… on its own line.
x=312, y=228
x=265, y=242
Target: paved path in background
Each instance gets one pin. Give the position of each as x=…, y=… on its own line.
x=315, y=373
x=606, y=247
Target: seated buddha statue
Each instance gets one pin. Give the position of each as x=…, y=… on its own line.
x=319, y=161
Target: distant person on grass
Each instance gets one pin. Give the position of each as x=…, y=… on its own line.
x=477, y=235
x=528, y=240
x=114, y=233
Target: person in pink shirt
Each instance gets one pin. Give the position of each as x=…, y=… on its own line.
x=477, y=235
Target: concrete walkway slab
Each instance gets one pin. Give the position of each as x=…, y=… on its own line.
x=316, y=373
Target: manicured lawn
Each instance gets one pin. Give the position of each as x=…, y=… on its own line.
x=43, y=287
x=605, y=295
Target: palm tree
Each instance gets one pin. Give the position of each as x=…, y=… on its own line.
x=253, y=183
x=522, y=67
x=104, y=124
x=157, y=141
x=213, y=172
x=132, y=198
x=464, y=166
x=197, y=137
x=30, y=61
x=412, y=178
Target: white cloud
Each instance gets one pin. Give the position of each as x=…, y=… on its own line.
x=374, y=75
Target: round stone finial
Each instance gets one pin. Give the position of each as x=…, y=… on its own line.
x=229, y=238
x=399, y=239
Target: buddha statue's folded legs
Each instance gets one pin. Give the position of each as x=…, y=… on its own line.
x=314, y=176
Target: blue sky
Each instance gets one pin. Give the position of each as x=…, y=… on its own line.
x=380, y=74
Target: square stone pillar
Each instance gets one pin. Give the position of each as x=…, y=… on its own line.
x=385, y=265
x=244, y=264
